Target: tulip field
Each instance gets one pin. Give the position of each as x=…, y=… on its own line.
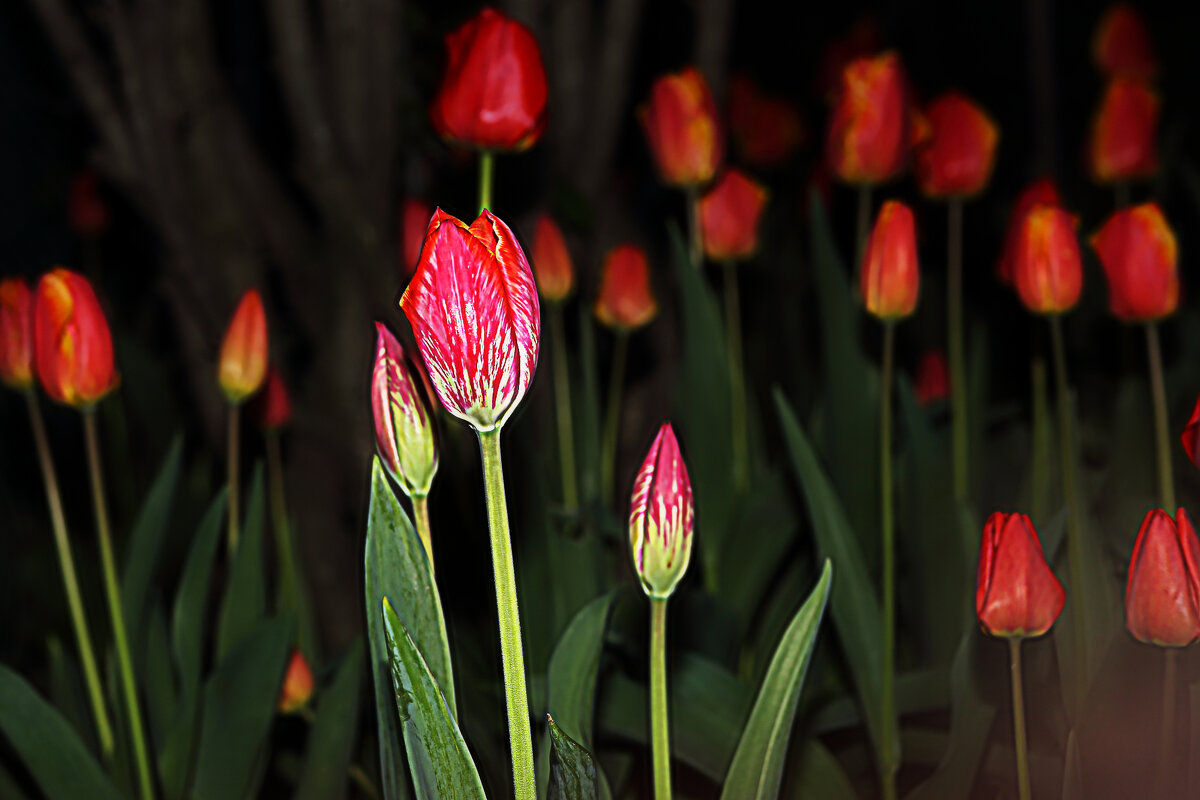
x=464, y=403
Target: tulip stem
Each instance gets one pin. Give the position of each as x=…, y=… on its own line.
x=420, y=504
x=862, y=225
x=1166, y=481
x=562, y=398
x=113, y=592
x=695, y=238
x=1066, y=438
x=517, y=699
x=58, y=523
x=737, y=380
x=958, y=370
x=1042, y=441
x=612, y=417
x=290, y=595
x=1167, y=733
x=231, y=469
x=887, y=696
x=1018, y=706
x=486, y=165
x=660, y=741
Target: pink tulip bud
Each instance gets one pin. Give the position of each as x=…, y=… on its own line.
x=661, y=517
x=404, y=431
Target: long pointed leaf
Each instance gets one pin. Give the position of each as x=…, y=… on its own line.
x=572, y=770
x=245, y=600
x=331, y=742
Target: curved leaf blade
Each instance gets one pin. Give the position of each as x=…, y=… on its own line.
x=331, y=743
x=245, y=600
x=572, y=770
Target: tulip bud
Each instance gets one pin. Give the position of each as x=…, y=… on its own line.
x=956, y=158
x=273, y=406
x=297, y=684
x=1016, y=595
x=626, y=300
x=680, y=122
x=1162, y=596
x=72, y=343
x=1041, y=192
x=551, y=260
x=16, y=333
x=932, y=382
x=493, y=92
x=889, y=278
x=869, y=131
x=414, y=220
x=1048, y=270
x=766, y=130
x=661, y=517
x=729, y=216
x=473, y=307
x=1123, y=133
x=243, y=364
x=1191, y=435
x=1121, y=46
x=86, y=212
x=1138, y=251
x=404, y=430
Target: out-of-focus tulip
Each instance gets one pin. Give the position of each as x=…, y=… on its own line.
x=16, y=333
x=932, y=381
x=86, y=211
x=404, y=427
x=473, y=307
x=626, y=300
x=1123, y=133
x=1162, y=597
x=243, y=364
x=889, y=279
x=1041, y=192
x=1191, y=435
x=72, y=344
x=414, y=221
x=1048, y=272
x=661, y=517
x=869, y=130
x=1016, y=594
x=766, y=130
x=297, y=684
x=493, y=92
x=551, y=260
x=273, y=405
x=956, y=159
x=681, y=126
x=861, y=41
x=1121, y=46
x=729, y=216
x=1138, y=251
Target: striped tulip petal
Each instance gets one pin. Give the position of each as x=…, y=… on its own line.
x=404, y=430
x=661, y=517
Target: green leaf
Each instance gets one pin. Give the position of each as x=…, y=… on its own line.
x=245, y=600
x=239, y=703
x=423, y=710
x=158, y=677
x=572, y=770
x=854, y=607
x=757, y=768
x=819, y=776
x=69, y=695
x=331, y=742
x=47, y=746
x=187, y=618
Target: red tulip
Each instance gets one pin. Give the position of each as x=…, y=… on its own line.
x=1123, y=133
x=680, y=122
x=404, y=430
x=1138, y=251
x=1191, y=435
x=661, y=517
x=493, y=93
x=869, y=131
x=414, y=220
x=889, y=279
x=957, y=157
x=1048, y=271
x=1162, y=596
x=16, y=333
x=473, y=307
x=626, y=300
x=273, y=406
x=729, y=216
x=1016, y=594
x=1041, y=192
x=86, y=212
x=766, y=130
x=861, y=41
x=1121, y=46
x=551, y=260
x=297, y=684
x=932, y=382
x=243, y=364
x=71, y=340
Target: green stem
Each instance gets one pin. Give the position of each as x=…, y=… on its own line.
x=612, y=418
x=66, y=562
x=660, y=743
x=737, y=380
x=1166, y=481
x=1167, y=732
x=562, y=398
x=1042, y=441
x=113, y=591
x=231, y=469
x=511, y=655
x=862, y=227
x=1066, y=439
x=887, y=697
x=954, y=348
x=695, y=236
x=486, y=167
x=421, y=515
x=1018, y=709
x=291, y=596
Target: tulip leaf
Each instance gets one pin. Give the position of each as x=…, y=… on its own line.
x=572, y=770
x=158, y=676
x=819, y=775
x=187, y=617
x=245, y=600
x=46, y=745
x=757, y=768
x=443, y=759
x=68, y=695
x=331, y=742
x=854, y=606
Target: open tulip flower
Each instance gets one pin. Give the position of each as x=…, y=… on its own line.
x=957, y=156
x=16, y=333
x=868, y=139
x=72, y=343
x=1137, y=248
x=1041, y=192
x=414, y=220
x=729, y=216
x=1124, y=132
x=682, y=129
x=1047, y=268
x=1162, y=595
